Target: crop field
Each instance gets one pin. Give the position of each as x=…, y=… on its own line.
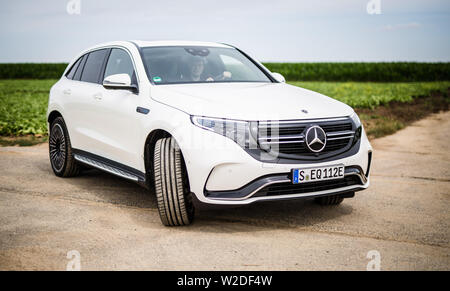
x=23, y=103
x=363, y=72
x=371, y=95
x=32, y=70
x=23, y=106
x=330, y=72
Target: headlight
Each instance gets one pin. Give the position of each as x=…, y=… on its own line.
x=242, y=132
x=358, y=125
x=355, y=119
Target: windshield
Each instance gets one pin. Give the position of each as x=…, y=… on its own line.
x=198, y=64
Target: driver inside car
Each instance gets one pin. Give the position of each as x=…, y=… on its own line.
x=197, y=66
x=196, y=72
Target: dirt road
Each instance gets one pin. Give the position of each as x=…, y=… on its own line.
x=114, y=224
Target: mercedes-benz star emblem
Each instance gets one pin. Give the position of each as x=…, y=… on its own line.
x=316, y=139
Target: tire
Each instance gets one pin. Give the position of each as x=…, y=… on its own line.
x=330, y=200
x=60, y=150
x=175, y=204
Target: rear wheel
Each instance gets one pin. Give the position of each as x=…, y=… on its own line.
x=173, y=195
x=330, y=200
x=60, y=150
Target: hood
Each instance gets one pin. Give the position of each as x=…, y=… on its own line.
x=249, y=101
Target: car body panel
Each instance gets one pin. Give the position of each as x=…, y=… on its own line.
x=268, y=101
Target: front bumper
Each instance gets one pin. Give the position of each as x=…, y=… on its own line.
x=221, y=172
x=280, y=186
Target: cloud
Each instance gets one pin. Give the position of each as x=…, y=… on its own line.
x=411, y=25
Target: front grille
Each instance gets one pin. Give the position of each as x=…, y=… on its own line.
x=288, y=188
x=289, y=138
x=337, y=127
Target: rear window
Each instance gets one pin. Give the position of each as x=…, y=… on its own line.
x=73, y=69
x=80, y=68
x=93, y=66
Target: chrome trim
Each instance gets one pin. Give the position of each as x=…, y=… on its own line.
x=299, y=136
x=303, y=120
x=330, y=134
x=106, y=168
x=357, y=172
x=316, y=138
x=282, y=142
x=352, y=171
x=341, y=137
x=335, y=133
x=255, y=191
x=308, y=195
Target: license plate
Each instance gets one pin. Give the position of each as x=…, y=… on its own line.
x=317, y=174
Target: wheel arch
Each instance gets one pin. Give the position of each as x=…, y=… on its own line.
x=149, y=148
x=53, y=115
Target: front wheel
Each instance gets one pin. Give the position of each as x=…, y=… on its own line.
x=60, y=150
x=173, y=195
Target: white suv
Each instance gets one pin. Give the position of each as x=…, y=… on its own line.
x=202, y=122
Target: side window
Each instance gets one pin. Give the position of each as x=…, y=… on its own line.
x=73, y=69
x=80, y=68
x=119, y=62
x=93, y=66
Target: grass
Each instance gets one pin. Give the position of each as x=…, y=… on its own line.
x=23, y=106
x=385, y=120
x=382, y=106
x=380, y=125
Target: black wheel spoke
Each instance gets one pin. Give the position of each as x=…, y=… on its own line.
x=57, y=145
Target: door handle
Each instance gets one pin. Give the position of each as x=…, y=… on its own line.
x=67, y=91
x=98, y=96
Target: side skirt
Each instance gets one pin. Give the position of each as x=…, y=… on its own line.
x=110, y=166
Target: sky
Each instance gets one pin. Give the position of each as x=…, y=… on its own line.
x=277, y=31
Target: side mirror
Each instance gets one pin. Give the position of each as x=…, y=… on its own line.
x=119, y=81
x=279, y=77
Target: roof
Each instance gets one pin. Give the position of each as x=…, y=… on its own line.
x=141, y=43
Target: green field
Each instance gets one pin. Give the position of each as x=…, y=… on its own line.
x=23, y=103
x=330, y=72
x=363, y=72
x=371, y=95
x=32, y=70
x=23, y=106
